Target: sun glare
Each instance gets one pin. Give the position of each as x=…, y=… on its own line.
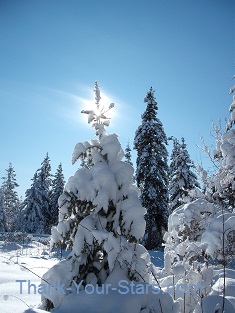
x=90, y=104
x=87, y=102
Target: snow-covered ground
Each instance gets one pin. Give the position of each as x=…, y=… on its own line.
x=17, y=260
x=16, y=263
x=23, y=265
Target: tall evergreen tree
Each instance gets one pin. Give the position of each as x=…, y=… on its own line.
x=3, y=224
x=101, y=217
x=36, y=206
x=152, y=172
x=10, y=197
x=182, y=177
x=56, y=190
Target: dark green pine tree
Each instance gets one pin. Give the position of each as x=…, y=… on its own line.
x=182, y=177
x=56, y=190
x=11, y=201
x=152, y=172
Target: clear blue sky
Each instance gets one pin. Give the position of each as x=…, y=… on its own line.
x=51, y=52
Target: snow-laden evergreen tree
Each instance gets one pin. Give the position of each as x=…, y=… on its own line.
x=34, y=221
x=57, y=188
x=152, y=172
x=172, y=170
x=100, y=218
x=44, y=184
x=36, y=206
x=3, y=223
x=10, y=197
x=128, y=154
x=182, y=177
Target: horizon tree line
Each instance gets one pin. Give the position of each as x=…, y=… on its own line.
x=38, y=212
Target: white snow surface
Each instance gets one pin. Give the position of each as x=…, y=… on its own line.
x=113, y=302
x=13, y=268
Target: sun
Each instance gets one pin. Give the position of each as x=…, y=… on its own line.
x=105, y=102
x=99, y=116
x=100, y=109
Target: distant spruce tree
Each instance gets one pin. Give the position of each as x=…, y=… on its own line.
x=152, y=172
x=44, y=183
x=182, y=177
x=36, y=206
x=174, y=193
x=57, y=188
x=31, y=211
x=10, y=197
x=128, y=154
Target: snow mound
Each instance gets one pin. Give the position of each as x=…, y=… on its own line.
x=213, y=236
x=212, y=304
x=115, y=302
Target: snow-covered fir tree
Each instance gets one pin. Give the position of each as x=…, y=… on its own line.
x=31, y=209
x=172, y=171
x=36, y=206
x=182, y=177
x=10, y=197
x=152, y=172
x=3, y=223
x=44, y=184
x=100, y=218
x=128, y=154
x=57, y=188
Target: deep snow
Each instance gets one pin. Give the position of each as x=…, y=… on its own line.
x=16, y=257
x=18, y=260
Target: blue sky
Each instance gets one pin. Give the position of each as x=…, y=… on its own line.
x=51, y=53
